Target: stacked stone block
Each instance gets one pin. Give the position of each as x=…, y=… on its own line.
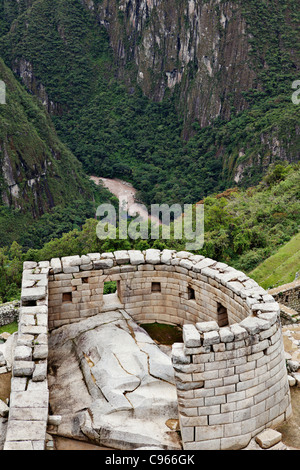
x=231, y=382
x=230, y=370
x=76, y=287
x=288, y=297
x=9, y=312
x=29, y=399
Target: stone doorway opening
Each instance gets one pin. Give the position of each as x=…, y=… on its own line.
x=111, y=296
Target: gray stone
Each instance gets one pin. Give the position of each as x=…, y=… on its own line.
x=40, y=351
x=2, y=359
x=110, y=378
x=40, y=372
x=205, y=263
x=18, y=384
x=122, y=257
x=238, y=331
x=18, y=445
x=94, y=256
x=23, y=353
x=28, y=414
x=266, y=307
x=103, y=263
x=54, y=420
x=293, y=366
x=29, y=265
x=211, y=337
x=166, y=256
x=191, y=336
x=56, y=265
x=291, y=380
x=136, y=257
x=254, y=325
x=43, y=264
x=185, y=263
x=29, y=399
x=33, y=293
x=71, y=261
x=268, y=438
x=296, y=376
x=70, y=269
x=178, y=356
x=23, y=368
x=226, y=335
x=152, y=256
x=20, y=431
x=204, y=327
x=85, y=260
x=25, y=340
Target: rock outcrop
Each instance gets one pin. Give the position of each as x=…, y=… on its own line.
x=106, y=377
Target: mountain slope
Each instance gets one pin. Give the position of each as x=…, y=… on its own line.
x=37, y=172
x=128, y=81
x=281, y=267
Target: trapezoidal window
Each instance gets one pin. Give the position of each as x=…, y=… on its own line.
x=222, y=316
x=191, y=293
x=67, y=297
x=156, y=287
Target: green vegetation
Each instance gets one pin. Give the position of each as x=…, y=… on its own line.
x=164, y=334
x=43, y=172
x=53, y=193
x=11, y=328
x=250, y=225
x=281, y=267
x=242, y=228
x=101, y=126
x=110, y=287
x=116, y=132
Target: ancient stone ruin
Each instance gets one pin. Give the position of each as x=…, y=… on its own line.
x=229, y=370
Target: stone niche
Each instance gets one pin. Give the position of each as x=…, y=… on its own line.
x=230, y=372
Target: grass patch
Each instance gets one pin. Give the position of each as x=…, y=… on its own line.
x=10, y=328
x=164, y=334
x=281, y=267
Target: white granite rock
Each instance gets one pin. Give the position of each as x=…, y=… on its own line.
x=152, y=256
x=204, y=327
x=121, y=378
x=191, y=336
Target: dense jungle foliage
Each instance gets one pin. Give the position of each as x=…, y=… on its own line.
x=116, y=132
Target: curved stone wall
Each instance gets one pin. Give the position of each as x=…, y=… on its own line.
x=174, y=288
x=230, y=368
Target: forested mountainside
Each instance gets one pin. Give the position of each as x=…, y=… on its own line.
x=181, y=98
x=38, y=173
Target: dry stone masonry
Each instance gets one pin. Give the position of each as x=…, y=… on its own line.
x=230, y=371
x=29, y=399
x=9, y=313
x=288, y=297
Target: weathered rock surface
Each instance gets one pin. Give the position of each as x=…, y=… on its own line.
x=112, y=384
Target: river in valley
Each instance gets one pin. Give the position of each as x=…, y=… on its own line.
x=126, y=194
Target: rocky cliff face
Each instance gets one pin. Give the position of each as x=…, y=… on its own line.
x=36, y=171
x=194, y=48
x=228, y=65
